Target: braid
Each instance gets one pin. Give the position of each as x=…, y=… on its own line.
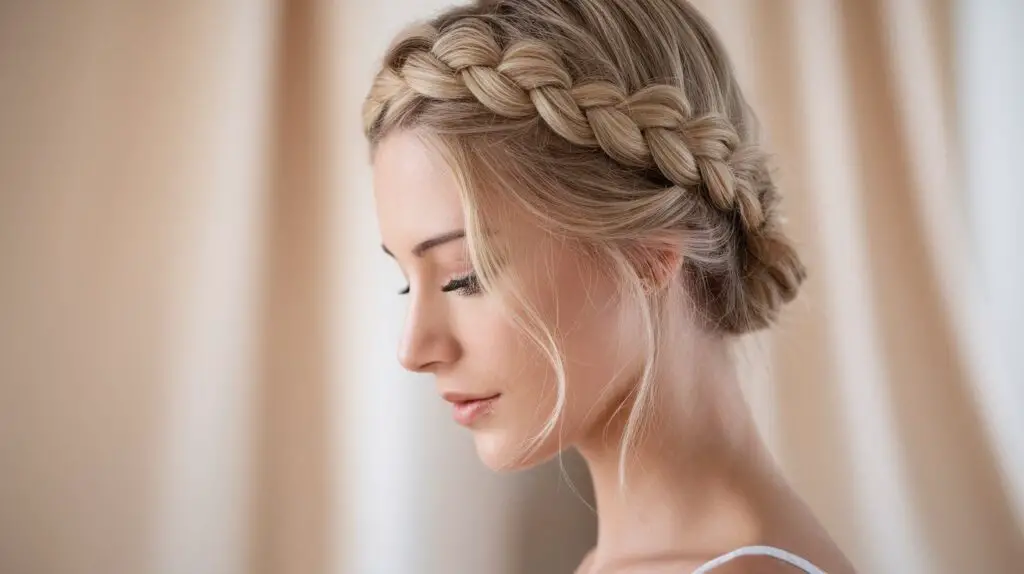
x=653, y=127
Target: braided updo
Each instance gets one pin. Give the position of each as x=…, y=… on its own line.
x=615, y=120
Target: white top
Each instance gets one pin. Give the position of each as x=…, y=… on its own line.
x=776, y=553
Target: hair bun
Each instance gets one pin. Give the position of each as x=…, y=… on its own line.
x=769, y=268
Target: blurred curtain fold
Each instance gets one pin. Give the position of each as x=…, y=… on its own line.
x=196, y=365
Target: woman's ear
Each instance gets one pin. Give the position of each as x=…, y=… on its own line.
x=658, y=264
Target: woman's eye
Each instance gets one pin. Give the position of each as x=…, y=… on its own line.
x=468, y=285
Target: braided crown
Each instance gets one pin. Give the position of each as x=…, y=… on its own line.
x=653, y=127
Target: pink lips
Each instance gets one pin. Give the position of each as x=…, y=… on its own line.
x=468, y=408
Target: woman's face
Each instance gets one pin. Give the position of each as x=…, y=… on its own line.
x=502, y=387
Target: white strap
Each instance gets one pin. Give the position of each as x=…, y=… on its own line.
x=777, y=553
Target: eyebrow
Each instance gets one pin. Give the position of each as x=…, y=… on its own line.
x=431, y=243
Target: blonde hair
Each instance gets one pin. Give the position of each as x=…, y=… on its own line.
x=616, y=124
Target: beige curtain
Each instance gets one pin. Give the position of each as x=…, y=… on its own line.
x=196, y=326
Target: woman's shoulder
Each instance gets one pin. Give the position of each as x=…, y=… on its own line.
x=765, y=559
x=740, y=557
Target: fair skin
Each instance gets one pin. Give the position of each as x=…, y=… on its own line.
x=700, y=481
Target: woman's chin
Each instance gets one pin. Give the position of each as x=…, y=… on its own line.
x=501, y=453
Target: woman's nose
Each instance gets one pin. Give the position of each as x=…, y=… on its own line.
x=427, y=342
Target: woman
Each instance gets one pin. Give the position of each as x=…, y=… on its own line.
x=574, y=192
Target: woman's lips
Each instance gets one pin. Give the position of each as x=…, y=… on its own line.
x=467, y=408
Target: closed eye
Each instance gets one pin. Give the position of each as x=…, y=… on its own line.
x=466, y=286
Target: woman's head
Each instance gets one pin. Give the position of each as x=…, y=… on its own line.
x=600, y=159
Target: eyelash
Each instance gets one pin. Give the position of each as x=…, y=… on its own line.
x=466, y=286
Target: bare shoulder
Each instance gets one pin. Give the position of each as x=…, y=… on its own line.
x=751, y=564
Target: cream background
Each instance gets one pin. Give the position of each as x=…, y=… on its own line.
x=197, y=369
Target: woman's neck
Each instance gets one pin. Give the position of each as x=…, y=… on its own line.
x=699, y=481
